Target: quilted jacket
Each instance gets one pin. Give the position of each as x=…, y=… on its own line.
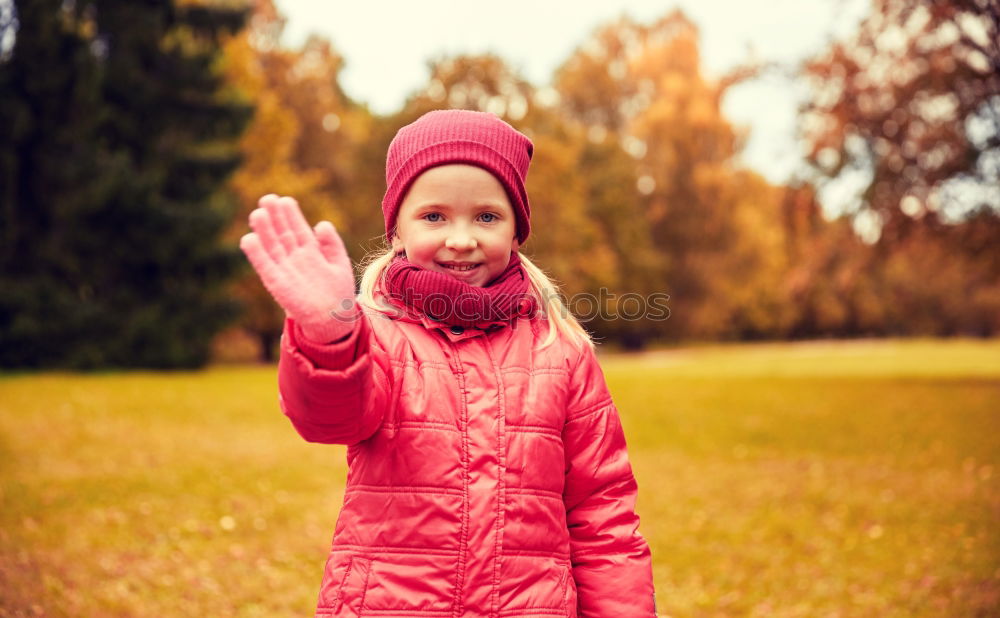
x=485, y=477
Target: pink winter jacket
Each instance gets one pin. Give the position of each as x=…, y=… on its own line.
x=486, y=477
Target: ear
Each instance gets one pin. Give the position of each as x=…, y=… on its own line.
x=397, y=243
x=514, y=245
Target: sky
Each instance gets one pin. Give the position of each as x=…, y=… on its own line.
x=387, y=44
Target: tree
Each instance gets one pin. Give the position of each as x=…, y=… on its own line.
x=120, y=140
x=308, y=139
x=336, y=140
x=932, y=289
x=829, y=285
x=912, y=103
x=641, y=86
x=268, y=157
x=614, y=204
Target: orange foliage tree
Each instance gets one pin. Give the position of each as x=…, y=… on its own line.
x=716, y=230
x=301, y=142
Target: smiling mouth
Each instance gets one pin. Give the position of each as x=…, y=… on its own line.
x=460, y=267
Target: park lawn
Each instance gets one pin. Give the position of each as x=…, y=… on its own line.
x=808, y=479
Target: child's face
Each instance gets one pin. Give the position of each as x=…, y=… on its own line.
x=457, y=220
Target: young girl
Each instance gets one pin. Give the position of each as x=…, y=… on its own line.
x=488, y=474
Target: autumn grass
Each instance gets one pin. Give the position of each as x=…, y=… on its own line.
x=814, y=479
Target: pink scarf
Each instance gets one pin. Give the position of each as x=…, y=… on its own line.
x=446, y=299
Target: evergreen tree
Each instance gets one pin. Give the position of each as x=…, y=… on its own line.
x=117, y=140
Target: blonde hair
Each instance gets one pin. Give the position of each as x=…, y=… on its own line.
x=554, y=312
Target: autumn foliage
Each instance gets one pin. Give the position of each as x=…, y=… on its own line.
x=636, y=189
x=911, y=105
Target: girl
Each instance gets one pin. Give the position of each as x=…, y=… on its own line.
x=488, y=474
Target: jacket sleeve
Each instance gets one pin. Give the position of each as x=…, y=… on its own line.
x=611, y=561
x=333, y=393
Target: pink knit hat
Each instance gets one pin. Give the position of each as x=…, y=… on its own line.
x=458, y=136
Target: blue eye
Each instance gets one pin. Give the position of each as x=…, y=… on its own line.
x=433, y=217
x=489, y=217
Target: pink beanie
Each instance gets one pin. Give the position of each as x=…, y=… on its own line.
x=458, y=136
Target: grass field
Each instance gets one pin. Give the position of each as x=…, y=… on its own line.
x=810, y=479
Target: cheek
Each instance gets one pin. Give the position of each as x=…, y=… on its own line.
x=501, y=244
x=420, y=252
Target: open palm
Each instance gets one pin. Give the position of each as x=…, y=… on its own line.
x=307, y=271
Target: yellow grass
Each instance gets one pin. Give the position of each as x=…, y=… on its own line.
x=815, y=479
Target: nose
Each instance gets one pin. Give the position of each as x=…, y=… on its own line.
x=459, y=239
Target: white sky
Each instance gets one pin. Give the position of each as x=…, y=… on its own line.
x=386, y=45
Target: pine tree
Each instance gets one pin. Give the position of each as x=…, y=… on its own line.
x=119, y=143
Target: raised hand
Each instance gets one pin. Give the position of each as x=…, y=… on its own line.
x=307, y=271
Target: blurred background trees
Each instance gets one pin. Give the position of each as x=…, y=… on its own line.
x=913, y=103
x=116, y=140
x=714, y=230
x=131, y=162
x=300, y=142
x=911, y=106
